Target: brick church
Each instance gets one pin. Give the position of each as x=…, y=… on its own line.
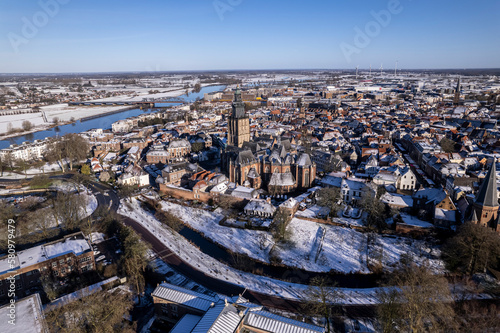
x=272, y=164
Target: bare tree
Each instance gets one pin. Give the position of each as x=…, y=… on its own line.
x=416, y=301
x=6, y=212
x=279, y=226
x=10, y=128
x=126, y=191
x=68, y=209
x=27, y=125
x=322, y=297
x=472, y=249
x=135, y=257
x=168, y=218
x=71, y=148
x=330, y=197
x=100, y=312
x=76, y=148
x=375, y=208
x=22, y=164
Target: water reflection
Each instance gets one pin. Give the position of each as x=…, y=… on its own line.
x=100, y=122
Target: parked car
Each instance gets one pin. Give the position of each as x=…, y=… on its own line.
x=101, y=257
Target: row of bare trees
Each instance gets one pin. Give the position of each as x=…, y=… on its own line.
x=413, y=299
x=70, y=148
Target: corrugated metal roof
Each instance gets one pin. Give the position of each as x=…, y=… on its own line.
x=184, y=296
x=186, y=324
x=273, y=323
x=219, y=319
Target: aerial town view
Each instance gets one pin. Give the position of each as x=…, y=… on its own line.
x=237, y=166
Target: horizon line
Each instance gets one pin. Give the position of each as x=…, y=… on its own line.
x=249, y=70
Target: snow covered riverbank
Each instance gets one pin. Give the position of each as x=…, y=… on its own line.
x=337, y=248
x=215, y=269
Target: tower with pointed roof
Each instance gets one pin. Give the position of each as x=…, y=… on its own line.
x=238, y=123
x=456, y=99
x=486, y=205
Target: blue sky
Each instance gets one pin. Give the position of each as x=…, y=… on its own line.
x=164, y=35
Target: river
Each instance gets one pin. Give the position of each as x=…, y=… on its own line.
x=101, y=122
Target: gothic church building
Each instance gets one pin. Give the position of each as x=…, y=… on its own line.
x=271, y=164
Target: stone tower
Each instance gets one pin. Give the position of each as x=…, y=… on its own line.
x=239, y=123
x=456, y=99
x=486, y=202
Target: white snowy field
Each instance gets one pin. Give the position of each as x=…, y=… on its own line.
x=215, y=269
x=144, y=93
x=63, y=112
x=344, y=249
x=255, y=244
x=312, y=246
x=17, y=120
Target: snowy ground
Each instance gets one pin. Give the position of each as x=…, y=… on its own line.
x=90, y=203
x=215, y=269
x=313, y=212
x=17, y=119
x=65, y=112
x=312, y=246
x=46, y=168
x=255, y=244
x=344, y=249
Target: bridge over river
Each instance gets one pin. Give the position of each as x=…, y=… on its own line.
x=149, y=102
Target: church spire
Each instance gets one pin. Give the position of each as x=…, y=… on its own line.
x=456, y=100
x=488, y=193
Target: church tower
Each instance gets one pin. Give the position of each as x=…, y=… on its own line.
x=456, y=100
x=486, y=202
x=239, y=123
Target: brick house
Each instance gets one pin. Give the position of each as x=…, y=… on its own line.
x=59, y=258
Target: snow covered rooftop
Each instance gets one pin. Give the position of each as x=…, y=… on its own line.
x=260, y=205
x=184, y=296
x=266, y=321
x=72, y=245
x=397, y=200
x=29, y=316
x=221, y=318
x=75, y=243
x=290, y=203
x=186, y=324
x=282, y=179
